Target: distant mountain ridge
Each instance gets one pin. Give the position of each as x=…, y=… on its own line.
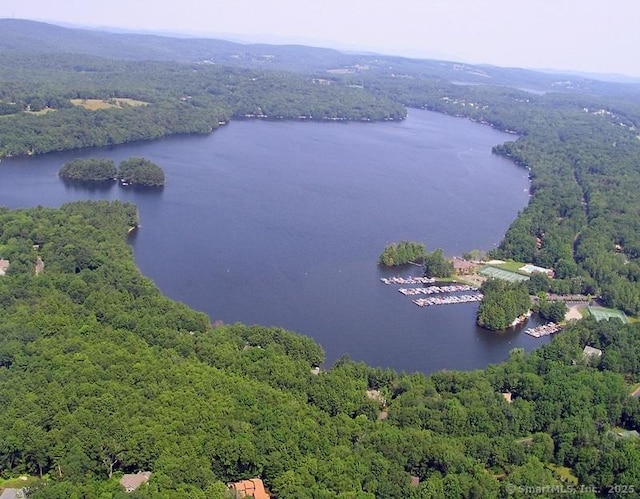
x=17, y=35
x=25, y=36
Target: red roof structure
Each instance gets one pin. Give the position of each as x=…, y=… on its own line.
x=249, y=488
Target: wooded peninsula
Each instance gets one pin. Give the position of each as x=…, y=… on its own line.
x=101, y=375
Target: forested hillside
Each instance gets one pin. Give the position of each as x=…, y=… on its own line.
x=37, y=114
x=28, y=37
x=101, y=375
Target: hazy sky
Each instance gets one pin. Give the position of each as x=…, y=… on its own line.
x=600, y=36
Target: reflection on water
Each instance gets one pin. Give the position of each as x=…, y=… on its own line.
x=87, y=185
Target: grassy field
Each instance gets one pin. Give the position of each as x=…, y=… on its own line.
x=510, y=265
x=563, y=473
x=18, y=483
x=95, y=104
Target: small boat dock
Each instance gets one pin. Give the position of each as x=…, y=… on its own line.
x=444, y=294
x=407, y=280
x=544, y=330
x=447, y=300
x=433, y=290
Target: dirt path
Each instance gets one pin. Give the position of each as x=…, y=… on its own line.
x=573, y=313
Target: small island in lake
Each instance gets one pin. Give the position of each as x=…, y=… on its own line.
x=402, y=253
x=132, y=171
x=140, y=171
x=89, y=170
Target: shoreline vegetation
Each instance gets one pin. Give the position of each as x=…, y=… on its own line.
x=89, y=170
x=140, y=172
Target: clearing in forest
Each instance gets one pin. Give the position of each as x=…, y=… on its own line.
x=95, y=104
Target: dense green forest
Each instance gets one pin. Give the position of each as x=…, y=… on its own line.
x=140, y=171
x=435, y=264
x=89, y=170
x=36, y=93
x=502, y=303
x=100, y=375
x=131, y=171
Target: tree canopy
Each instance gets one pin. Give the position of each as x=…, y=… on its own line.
x=402, y=253
x=101, y=375
x=502, y=303
x=89, y=170
x=436, y=265
x=140, y=171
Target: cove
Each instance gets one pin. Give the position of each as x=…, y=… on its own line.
x=281, y=223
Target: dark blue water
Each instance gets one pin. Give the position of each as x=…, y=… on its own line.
x=281, y=223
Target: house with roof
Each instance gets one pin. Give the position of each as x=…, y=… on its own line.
x=621, y=434
x=252, y=487
x=132, y=481
x=628, y=434
x=531, y=269
x=464, y=267
x=39, y=266
x=591, y=353
x=4, y=266
x=13, y=494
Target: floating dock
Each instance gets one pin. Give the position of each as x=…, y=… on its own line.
x=431, y=290
x=407, y=280
x=447, y=300
x=446, y=291
x=544, y=330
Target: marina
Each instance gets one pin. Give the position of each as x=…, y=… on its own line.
x=447, y=300
x=427, y=288
x=431, y=290
x=543, y=330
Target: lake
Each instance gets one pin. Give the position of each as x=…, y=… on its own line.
x=282, y=223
